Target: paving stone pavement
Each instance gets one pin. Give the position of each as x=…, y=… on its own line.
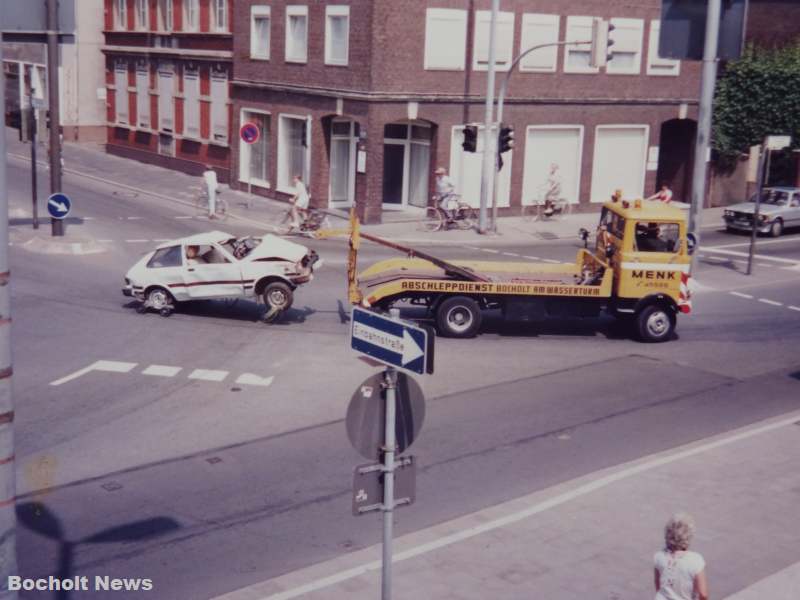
x=594, y=537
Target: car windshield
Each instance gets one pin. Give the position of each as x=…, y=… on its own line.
x=776, y=197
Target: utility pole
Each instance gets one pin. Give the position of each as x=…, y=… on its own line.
x=56, y=225
x=488, y=137
x=8, y=517
x=702, y=142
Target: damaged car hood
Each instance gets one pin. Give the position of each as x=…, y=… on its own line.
x=275, y=247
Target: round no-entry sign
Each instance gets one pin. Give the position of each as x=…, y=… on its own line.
x=249, y=133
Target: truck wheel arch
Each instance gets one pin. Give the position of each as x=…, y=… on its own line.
x=654, y=318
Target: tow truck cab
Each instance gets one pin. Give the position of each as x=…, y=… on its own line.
x=637, y=272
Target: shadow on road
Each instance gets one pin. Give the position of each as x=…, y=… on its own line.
x=36, y=517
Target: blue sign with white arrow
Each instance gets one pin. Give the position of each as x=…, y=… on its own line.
x=391, y=341
x=58, y=205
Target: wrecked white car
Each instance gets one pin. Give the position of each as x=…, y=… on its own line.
x=219, y=265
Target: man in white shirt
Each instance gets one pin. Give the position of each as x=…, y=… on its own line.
x=299, y=201
x=445, y=189
x=211, y=184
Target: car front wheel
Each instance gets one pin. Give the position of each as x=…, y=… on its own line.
x=777, y=228
x=159, y=298
x=655, y=323
x=278, y=296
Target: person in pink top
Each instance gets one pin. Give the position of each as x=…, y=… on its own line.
x=680, y=574
x=663, y=195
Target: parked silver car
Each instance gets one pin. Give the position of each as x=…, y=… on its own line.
x=780, y=208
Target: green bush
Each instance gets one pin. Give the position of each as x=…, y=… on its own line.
x=757, y=95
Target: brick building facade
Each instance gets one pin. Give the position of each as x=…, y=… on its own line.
x=365, y=98
x=168, y=72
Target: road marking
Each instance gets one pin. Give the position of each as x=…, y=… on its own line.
x=770, y=302
x=136, y=241
x=161, y=240
x=161, y=371
x=532, y=257
x=741, y=295
x=550, y=260
x=184, y=217
x=87, y=218
x=758, y=256
x=624, y=473
x=251, y=379
x=759, y=243
x=510, y=254
x=792, y=307
x=134, y=218
x=490, y=251
x=208, y=375
x=109, y=366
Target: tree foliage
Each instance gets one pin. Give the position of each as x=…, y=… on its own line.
x=757, y=95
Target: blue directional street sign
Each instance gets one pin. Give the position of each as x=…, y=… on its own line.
x=58, y=205
x=391, y=341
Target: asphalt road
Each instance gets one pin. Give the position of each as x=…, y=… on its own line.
x=208, y=486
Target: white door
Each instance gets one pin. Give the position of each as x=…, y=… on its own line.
x=343, y=163
x=466, y=169
x=548, y=145
x=211, y=274
x=620, y=158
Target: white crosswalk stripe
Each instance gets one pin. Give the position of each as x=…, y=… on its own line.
x=162, y=371
x=208, y=375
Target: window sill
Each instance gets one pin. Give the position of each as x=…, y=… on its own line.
x=336, y=64
x=253, y=182
x=297, y=61
x=259, y=58
x=451, y=69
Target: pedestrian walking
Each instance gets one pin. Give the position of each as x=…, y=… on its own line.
x=212, y=186
x=679, y=572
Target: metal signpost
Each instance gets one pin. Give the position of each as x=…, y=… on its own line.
x=397, y=344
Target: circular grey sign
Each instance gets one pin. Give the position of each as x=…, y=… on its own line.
x=367, y=412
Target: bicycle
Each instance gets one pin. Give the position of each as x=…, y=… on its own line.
x=313, y=220
x=544, y=210
x=220, y=206
x=459, y=214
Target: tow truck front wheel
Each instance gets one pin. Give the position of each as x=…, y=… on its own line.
x=655, y=323
x=458, y=317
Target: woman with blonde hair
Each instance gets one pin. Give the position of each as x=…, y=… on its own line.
x=679, y=572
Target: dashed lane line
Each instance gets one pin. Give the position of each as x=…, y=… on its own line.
x=208, y=375
x=136, y=241
x=510, y=254
x=792, y=307
x=532, y=257
x=162, y=371
x=770, y=302
x=741, y=295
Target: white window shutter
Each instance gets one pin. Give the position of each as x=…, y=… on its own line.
x=538, y=29
x=445, y=39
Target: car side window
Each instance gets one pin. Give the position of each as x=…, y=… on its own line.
x=657, y=237
x=204, y=254
x=796, y=200
x=165, y=257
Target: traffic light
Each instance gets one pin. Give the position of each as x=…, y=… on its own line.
x=505, y=140
x=601, y=42
x=470, y=143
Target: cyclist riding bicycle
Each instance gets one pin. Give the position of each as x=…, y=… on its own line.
x=445, y=192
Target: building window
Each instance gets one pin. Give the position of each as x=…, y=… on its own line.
x=121, y=12
x=538, y=29
x=627, y=49
x=504, y=40
x=337, y=32
x=259, y=32
x=166, y=94
x=655, y=64
x=578, y=57
x=293, y=151
x=552, y=152
x=344, y=139
x=143, y=96
x=296, y=34
x=142, y=14
x=165, y=14
x=254, y=158
x=191, y=103
x=445, y=39
x=121, y=93
x=220, y=15
x=219, y=107
x=191, y=15
x=406, y=164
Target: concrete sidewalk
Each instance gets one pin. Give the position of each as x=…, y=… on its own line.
x=594, y=537
x=91, y=161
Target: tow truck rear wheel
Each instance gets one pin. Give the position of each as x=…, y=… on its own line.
x=458, y=317
x=655, y=323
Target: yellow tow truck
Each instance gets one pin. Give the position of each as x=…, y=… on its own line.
x=638, y=271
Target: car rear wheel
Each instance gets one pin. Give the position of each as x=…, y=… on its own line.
x=655, y=323
x=777, y=228
x=458, y=317
x=158, y=298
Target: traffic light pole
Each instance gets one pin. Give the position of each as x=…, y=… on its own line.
x=500, y=101
x=488, y=154
x=709, y=79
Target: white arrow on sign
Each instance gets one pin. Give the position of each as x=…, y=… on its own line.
x=60, y=206
x=407, y=346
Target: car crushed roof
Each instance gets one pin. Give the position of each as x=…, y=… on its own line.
x=208, y=237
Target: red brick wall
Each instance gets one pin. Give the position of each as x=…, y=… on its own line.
x=773, y=22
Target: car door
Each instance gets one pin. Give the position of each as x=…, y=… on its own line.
x=164, y=269
x=212, y=273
